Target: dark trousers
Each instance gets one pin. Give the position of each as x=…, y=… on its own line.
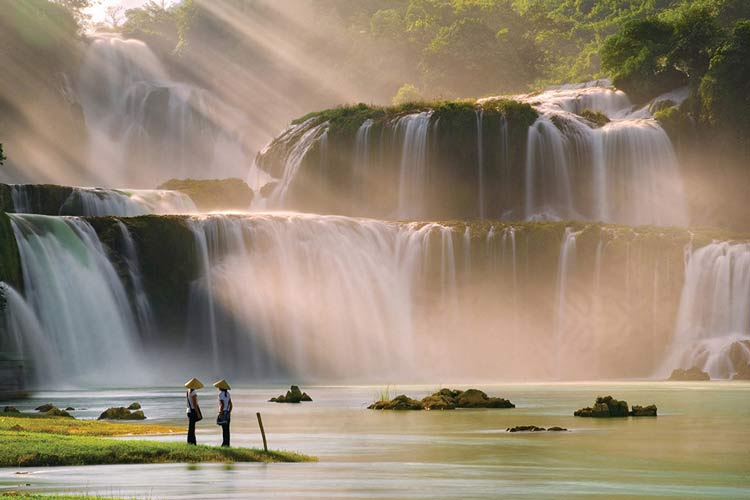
x=225, y=434
x=191, y=428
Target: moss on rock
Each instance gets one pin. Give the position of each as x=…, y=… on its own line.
x=211, y=195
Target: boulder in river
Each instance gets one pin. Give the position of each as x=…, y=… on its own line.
x=121, y=413
x=402, y=402
x=44, y=408
x=444, y=399
x=643, y=411
x=134, y=406
x=526, y=428
x=691, y=374
x=293, y=395
x=70, y=408
x=609, y=407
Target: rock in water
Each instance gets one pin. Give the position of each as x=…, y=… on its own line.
x=557, y=429
x=45, y=408
x=10, y=409
x=526, y=428
x=293, y=395
x=474, y=398
x=134, y=406
x=70, y=408
x=643, y=411
x=402, y=402
x=57, y=412
x=121, y=413
x=438, y=402
x=691, y=374
x=609, y=407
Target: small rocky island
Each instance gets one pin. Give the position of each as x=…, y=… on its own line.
x=121, y=413
x=444, y=399
x=293, y=395
x=609, y=407
x=691, y=374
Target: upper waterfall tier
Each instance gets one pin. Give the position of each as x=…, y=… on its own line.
x=568, y=153
x=323, y=297
x=67, y=200
x=144, y=127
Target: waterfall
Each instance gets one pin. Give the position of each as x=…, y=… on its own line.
x=562, y=328
x=713, y=323
x=412, y=131
x=480, y=161
x=97, y=202
x=361, y=175
x=84, y=329
x=145, y=127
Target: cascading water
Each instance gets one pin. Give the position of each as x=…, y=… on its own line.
x=83, y=327
x=412, y=132
x=96, y=202
x=144, y=127
x=713, y=324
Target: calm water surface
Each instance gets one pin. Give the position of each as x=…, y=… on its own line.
x=698, y=447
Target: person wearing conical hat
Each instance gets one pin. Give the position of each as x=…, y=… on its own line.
x=193, y=409
x=225, y=410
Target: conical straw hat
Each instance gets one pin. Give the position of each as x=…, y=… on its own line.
x=193, y=383
x=222, y=384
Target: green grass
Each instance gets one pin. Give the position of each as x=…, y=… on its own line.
x=9, y=495
x=32, y=449
x=30, y=422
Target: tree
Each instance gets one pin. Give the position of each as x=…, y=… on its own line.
x=696, y=31
x=114, y=16
x=637, y=59
x=725, y=90
x=408, y=93
x=77, y=8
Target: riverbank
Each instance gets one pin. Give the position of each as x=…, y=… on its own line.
x=31, y=441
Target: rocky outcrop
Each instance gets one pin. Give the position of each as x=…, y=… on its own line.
x=534, y=428
x=44, y=408
x=121, y=413
x=10, y=409
x=444, y=399
x=211, y=195
x=293, y=395
x=57, y=412
x=609, y=407
x=691, y=374
x=134, y=406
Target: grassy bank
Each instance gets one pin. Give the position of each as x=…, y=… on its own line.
x=14, y=495
x=31, y=441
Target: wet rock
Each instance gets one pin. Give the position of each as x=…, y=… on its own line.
x=70, y=408
x=557, y=429
x=402, y=402
x=474, y=398
x=643, y=411
x=293, y=395
x=446, y=399
x=526, y=428
x=691, y=374
x=134, y=406
x=10, y=409
x=57, y=412
x=45, y=408
x=438, y=402
x=609, y=407
x=121, y=413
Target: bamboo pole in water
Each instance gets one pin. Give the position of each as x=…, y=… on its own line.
x=262, y=432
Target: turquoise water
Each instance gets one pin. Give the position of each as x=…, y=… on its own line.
x=698, y=447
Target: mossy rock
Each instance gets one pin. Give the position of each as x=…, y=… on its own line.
x=10, y=259
x=10, y=409
x=293, y=395
x=134, y=406
x=693, y=374
x=57, y=412
x=525, y=428
x=121, y=413
x=211, y=195
x=643, y=411
x=45, y=407
x=596, y=118
x=399, y=403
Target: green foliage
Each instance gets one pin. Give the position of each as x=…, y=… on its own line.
x=30, y=449
x=596, y=117
x=407, y=93
x=725, y=90
x=636, y=57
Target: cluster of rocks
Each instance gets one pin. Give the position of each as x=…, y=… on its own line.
x=691, y=374
x=534, y=428
x=10, y=409
x=293, y=395
x=444, y=399
x=609, y=407
x=53, y=411
x=122, y=413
